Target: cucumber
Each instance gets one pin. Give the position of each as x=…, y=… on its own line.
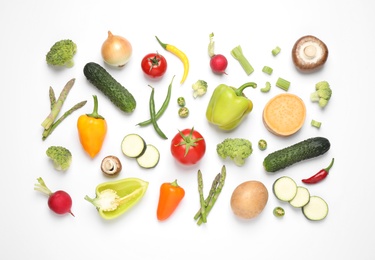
x=301, y=199
x=103, y=81
x=316, y=209
x=150, y=158
x=133, y=145
x=284, y=188
x=303, y=150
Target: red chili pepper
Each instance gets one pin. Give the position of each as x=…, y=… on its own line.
x=322, y=174
x=170, y=197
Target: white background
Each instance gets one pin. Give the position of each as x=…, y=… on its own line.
x=29, y=230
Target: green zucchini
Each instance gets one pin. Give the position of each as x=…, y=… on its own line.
x=303, y=150
x=103, y=81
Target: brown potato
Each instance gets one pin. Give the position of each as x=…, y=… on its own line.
x=249, y=199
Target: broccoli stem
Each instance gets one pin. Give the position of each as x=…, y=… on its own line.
x=210, y=195
x=48, y=132
x=58, y=105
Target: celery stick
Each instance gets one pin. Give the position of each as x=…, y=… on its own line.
x=238, y=55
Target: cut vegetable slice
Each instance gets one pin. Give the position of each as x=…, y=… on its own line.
x=133, y=145
x=302, y=197
x=316, y=209
x=285, y=188
x=150, y=158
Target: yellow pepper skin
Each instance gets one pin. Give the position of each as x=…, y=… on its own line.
x=92, y=129
x=228, y=106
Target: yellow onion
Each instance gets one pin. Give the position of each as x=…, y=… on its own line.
x=116, y=50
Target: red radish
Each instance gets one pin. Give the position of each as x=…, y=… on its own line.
x=59, y=202
x=218, y=62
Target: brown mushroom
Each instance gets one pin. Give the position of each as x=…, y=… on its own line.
x=111, y=166
x=309, y=53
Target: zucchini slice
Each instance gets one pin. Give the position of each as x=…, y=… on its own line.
x=133, y=145
x=150, y=158
x=316, y=209
x=302, y=197
x=285, y=188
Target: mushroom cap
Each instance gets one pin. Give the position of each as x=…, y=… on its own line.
x=309, y=53
x=111, y=166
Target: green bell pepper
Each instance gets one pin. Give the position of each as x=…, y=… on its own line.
x=114, y=198
x=228, y=106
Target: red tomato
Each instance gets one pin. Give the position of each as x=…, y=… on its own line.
x=154, y=65
x=188, y=146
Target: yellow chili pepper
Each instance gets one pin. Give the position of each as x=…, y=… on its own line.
x=181, y=55
x=92, y=129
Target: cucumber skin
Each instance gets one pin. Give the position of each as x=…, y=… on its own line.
x=303, y=150
x=103, y=81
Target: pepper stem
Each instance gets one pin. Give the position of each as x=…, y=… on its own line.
x=330, y=165
x=95, y=113
x=241, y=89
x=161, y=43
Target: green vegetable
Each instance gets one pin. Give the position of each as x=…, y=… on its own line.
x=266, y=88
x=278, y=212
x=183, y=112
x=238, y=55
x=181, y=101
x=61, y=54
x=199, y=88
x=163, y=106
x=50, y=123
x=267, y=70
x=61, y=157
x=322, y=94
x=103, y=81
x=153, y=115
x=306, y=149
x=276, y=50
x=262, y=144
x=237, y=149
x=201, y=197
x=315, y=123
x=283, y=84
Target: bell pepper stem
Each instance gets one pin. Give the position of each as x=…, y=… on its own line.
x=241, y=89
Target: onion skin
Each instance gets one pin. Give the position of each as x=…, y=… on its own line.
x=116, y=50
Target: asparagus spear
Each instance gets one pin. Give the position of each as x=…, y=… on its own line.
x=210, y=195
x=202, y=201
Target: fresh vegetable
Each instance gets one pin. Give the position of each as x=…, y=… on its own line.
x=153, y=115
x=199, y=88
x=284, y=114
x=150, y=157
x=103, y=81
x=92, y=130
x=306, y=149
x=181, y=55
x=116, y=50
x=114, y=198
x=278, y=212
x=162, y=108
x=181, y=101
x=133, y=145
x=262, y=144
x=319, y=176
x=322, y=94
x=228, y=106
x=268, y=70
x=309, y=53
x=111, y=166
x=218, y=62
x=62, y=53
x=183, y=112
x=50, y=123
x=61, y=157
x=266, y=88
x=283, y=84
x=249, y=199
x=301, y=199
x=154, y=65
x=237, y=149
x=275, y=51
x=316, y=209
x=216, y=188
x=170, y=196
x=238, y=55
x=188, y=146
x=284, y=188
x=316, y=123
x=59, y=201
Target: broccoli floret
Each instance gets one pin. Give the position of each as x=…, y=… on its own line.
x=199, y=88
x=62, y=53
x=322, y=94
x=237, y=149
x=61, y=157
